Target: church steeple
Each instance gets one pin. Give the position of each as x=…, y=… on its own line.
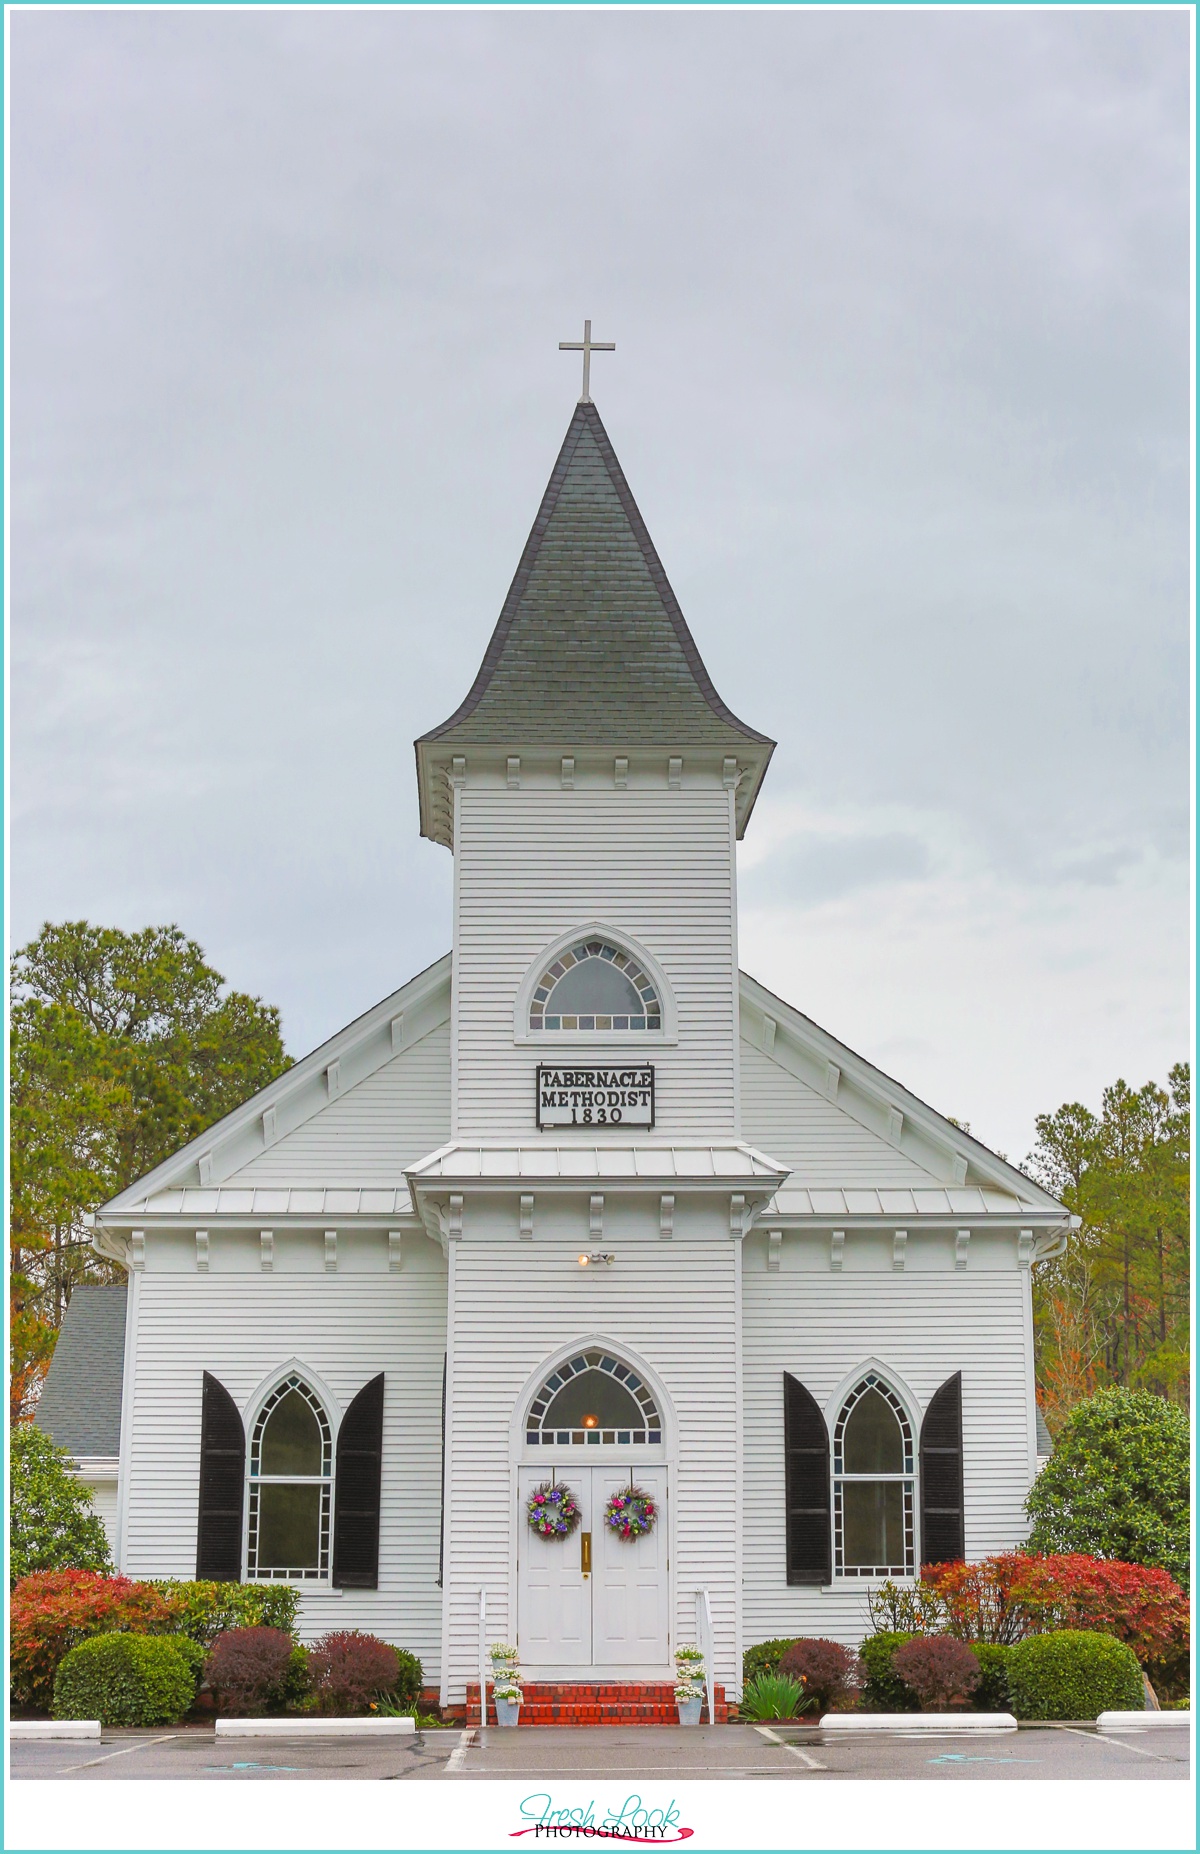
x=591, y=649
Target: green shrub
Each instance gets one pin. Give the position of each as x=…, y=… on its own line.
x=1073, y=1674
x=53, y=1526
x=884, y=1691
x=206, y=1609
x=190, y=1653
x=771, y=1696
x=124, y=1680
x=1118, y=1483
x=991, y=1695
x=410, y=1678
x=765, y=1658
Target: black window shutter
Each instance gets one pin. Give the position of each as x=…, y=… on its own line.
x=356, y=1502
x=942, y=1531
x=806, y=1480
x=222, y=1485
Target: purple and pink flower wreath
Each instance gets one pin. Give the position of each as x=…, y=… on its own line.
x=553, y=1511
x=631, y=1514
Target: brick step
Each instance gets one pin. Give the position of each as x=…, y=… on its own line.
x=618, y=1702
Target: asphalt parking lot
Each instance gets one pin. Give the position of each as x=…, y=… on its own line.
x=732, y=1752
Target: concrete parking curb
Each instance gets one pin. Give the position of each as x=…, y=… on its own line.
x=919, y=1722
x=1138, y=1721
x=54, y=1728
x=313, y=1728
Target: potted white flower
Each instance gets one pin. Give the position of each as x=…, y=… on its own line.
x=689, y=1684
x=506, y=1683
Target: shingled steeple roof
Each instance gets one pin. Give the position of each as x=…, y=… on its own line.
x=591, y=648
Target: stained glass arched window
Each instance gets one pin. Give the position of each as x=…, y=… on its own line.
x=593, y=1397
x=595, y=986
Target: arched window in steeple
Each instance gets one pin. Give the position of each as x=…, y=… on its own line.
x=595, y=986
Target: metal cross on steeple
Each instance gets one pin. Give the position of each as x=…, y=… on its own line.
x=588, y=347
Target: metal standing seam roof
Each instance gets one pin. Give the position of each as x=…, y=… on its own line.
x=80, y=1404
x=591, y=645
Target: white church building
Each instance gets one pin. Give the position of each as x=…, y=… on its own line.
x=582, y=1205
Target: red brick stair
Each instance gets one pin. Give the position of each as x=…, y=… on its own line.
x=617, y=1702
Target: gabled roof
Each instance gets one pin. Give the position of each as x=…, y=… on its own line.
x=591, y=647
x=207, y=1177
x=336, y=1066
x=80, y=1404
x=882, y=1104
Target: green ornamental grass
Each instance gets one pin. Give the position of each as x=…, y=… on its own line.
x=771, y=1696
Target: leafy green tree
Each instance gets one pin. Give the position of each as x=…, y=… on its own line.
x=1114, y=1309
x=53, y=1527
x=1117, y=1484
x=124, y=1048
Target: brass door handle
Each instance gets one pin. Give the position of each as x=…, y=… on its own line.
x=585, y=1553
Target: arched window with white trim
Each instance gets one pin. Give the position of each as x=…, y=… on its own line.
x=593, y=985
x=291, y=1482
x=593, y=1397
x=874, y=1484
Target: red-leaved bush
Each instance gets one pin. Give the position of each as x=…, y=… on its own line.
x=348, y=1670
x=1015, y=1594
x=940, y=1670
x=51, y=1612
x=248, y=1668
x=829, y=1672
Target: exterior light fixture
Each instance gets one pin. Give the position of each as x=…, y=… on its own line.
x=597, y=1255
x=591, y=1422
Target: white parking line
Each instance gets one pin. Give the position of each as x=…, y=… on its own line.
x=125, y=1751
x=764, y=1731
x=1110, y=1738
x=455, y=1760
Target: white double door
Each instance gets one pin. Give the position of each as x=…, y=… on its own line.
x=593, y=1600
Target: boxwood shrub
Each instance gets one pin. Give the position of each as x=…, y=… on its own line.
x=992, y=1694
x=765, y=1657
x=124, y=1679
x=1073, y=1674
x=884, y=1691
x=410, y=1678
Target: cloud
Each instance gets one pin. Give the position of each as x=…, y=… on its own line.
x=901, y=304
x=813, y=869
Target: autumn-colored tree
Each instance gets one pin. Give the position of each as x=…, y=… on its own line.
x=123, y=1048
x=1113, y=1310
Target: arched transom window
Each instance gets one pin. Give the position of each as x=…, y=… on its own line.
x=593, y=1397
x=873, y=1532
x=291, y=1477
x=595, y=986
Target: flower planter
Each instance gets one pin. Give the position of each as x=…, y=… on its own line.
x=689, y=1711
x=508, y=1712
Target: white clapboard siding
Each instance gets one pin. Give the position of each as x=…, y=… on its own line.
x=369, y=1134
x=104, y=1503
x=345, y=1328
x=533, y=865
x=925, y=1326
x=783, y=1116
x=672, y=1307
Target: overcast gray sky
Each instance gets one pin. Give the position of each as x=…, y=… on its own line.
x=901, y=311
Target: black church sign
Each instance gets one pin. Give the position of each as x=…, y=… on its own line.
x=618, y=1096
